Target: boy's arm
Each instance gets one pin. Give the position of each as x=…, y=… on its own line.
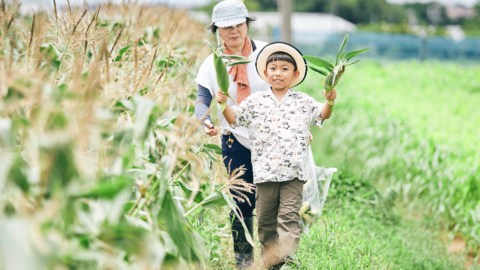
x=235, y=117
x=326, y=110
x=229, y=114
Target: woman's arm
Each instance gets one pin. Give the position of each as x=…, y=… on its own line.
x=202, y=103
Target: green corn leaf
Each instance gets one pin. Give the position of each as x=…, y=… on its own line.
x=222, y=75
x=217, y=149
x=218, y=39
x=350, y=55
x=349, y=64
x=234, y=208
x=122, y=52
x=52, y=54
x=319, y=62
x=236, y=57
x=318, y=70
x=189, y=190
x=209, y=44
x=343, y=55
x=18, y=174
x=107, y=189
x=223, y=106
x=345, y=40
x=234, y=63
x=214, y=200
x=124, y=236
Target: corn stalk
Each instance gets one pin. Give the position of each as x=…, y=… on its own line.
x=333, y=73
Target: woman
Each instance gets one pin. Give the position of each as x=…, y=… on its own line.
x=231, y=19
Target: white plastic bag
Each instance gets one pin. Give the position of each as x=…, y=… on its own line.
x=314, y=192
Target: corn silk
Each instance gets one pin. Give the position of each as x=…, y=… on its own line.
x=314, y=192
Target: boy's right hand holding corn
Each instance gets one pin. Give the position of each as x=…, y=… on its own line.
x=228, y=112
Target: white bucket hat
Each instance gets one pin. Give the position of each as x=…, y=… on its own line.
x=229, y=13
x=261, y=63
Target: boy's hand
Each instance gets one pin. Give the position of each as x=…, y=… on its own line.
x=221, y=98
x=332, y=95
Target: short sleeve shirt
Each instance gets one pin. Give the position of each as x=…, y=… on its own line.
x=278, y=133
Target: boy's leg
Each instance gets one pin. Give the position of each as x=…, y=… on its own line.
x=267, y=197
x=288, y=228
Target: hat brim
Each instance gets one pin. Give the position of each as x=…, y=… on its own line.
x=228, y=23
x=274, y=47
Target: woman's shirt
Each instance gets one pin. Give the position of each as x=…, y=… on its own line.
x=207, y=78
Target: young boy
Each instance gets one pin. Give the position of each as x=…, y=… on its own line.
x=278, y=122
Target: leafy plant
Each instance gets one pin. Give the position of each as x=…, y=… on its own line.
x=333, y=73
x=221, y=66
x=100, y=155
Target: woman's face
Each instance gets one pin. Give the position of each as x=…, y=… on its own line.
x=234, y=35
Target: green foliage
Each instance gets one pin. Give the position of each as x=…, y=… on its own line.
x=221, y=66
x=334, y=72
x=397, y=136
x=98, y=145
x=472, y=26
x=421, y=12
x=355, y=11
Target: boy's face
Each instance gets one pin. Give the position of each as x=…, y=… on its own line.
x=280, y=74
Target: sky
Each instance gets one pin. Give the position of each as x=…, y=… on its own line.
x=190, y=3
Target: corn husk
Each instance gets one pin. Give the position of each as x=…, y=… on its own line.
x=333, y=73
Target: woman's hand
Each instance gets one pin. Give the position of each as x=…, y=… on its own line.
x=210, y=130
x=221, y=98
x=332, y=95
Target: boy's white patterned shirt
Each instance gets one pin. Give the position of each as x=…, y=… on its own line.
x=278, y=133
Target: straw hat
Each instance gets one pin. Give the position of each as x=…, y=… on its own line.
x=274, y=47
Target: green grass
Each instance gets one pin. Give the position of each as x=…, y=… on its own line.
x=361, y=228
x=413, y=128
x=403, y=137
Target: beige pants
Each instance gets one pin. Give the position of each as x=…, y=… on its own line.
x=278, y=220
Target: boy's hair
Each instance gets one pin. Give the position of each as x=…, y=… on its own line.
x=282, y=56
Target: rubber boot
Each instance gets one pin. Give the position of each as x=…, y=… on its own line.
x=243, y=250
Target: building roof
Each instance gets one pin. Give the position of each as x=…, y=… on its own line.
x=456, y=12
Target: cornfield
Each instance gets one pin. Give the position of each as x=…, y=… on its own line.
x=99, y=149
x=103, y=164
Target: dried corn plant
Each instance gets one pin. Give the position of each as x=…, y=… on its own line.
x=99, y=148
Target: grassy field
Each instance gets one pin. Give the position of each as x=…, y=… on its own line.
x=403, y=137
x=102, y=165
x=410, y=129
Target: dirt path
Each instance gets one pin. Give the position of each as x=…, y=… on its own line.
x=458, y=246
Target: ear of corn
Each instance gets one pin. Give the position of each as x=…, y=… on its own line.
x=221, y=67
x=333, y=73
